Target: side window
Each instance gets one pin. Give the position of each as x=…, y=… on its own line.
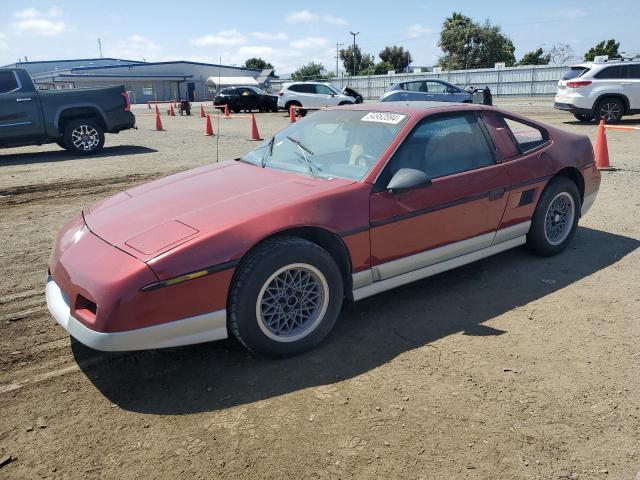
x=436, y=87
x=414, y=87
x=440, y=147
x=8, y=82
x=147, y=90
x=609, y=73
x=631, y=71
x=526, y=136
x=295, y=88
x=323, y=90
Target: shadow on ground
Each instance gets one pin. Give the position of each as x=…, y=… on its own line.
x=56, y=154
x=368, y=333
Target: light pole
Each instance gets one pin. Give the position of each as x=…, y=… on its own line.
x=338, y=45
x=354, y=51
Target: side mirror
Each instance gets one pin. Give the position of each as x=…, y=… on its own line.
x=407, y=178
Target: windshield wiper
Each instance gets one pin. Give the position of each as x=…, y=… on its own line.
x=267, y=154
x=303, y=148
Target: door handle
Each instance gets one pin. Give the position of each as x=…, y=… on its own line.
x=496, y=194
x=26, y=99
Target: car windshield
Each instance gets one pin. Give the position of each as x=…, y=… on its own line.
x=574, y=72
x=330, y=143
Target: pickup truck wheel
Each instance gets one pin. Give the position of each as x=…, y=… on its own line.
x=285, y=297
x=83, y=136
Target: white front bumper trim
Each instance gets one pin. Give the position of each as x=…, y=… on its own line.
x=201, y=328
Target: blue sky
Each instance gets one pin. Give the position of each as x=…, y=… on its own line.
x=291, y=33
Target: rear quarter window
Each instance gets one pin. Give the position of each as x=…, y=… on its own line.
x=526, y=136
x=609, y=73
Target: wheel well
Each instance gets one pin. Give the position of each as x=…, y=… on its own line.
x=345, y=103
x=625, y=101
x=575, y=176
x=78, y=112
x=331, y=242
x=292, y=102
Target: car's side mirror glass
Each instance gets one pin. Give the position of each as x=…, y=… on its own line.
x=407, y=178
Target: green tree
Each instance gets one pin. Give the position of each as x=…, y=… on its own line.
x=535, y=57
x=382, y=68
x=467, y=44
x=606, y=47
x=398, y=57
x=363, y=61
x=257, y=63
x=310, y=71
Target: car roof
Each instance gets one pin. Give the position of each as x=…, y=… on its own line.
x=416, y=108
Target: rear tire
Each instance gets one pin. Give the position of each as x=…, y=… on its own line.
x=285, y=297
x=83, y=136
x=555, y=219
x=61, y=144
x=610, y=110
x=583, y=118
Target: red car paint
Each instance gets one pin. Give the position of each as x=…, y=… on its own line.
x=213, y=215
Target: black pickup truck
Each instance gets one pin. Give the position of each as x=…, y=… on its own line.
x=75, y=119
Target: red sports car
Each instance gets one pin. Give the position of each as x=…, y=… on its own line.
x=347, y=203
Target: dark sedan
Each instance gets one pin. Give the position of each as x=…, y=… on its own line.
x=246, y=98
x=430, y=90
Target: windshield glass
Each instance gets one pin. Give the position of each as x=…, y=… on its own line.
x=330, y=143
x=575, y=72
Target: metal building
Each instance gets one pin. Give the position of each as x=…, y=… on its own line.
x=144, y=80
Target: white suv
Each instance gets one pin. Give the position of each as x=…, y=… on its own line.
x=600, y=91
x=312, y=95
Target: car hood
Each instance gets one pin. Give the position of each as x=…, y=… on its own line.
x=155, y=217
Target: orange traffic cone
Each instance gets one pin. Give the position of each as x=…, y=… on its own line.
x=255, y=135
x=226, y=111
x=172, y=112
x=158, y=122
x=292, y=114
x=202, y=115
x=209, y=127
x=157, y=110
x=601, y=150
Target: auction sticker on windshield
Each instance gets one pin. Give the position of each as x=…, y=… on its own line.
x=383, y=117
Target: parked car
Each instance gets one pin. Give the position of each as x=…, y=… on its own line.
x=75, y=119
x=312, y=95
x=426, y=90
x=246, y=98
x=346, y=203
x=600, y=91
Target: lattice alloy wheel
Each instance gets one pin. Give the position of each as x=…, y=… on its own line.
x=292, y=302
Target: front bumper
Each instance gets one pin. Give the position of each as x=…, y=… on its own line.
x=198, y=329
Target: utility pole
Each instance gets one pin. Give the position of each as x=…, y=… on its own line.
x=354, y=51
x=100, y=47
x=338, y=45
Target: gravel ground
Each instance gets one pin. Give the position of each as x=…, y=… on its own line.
x=512, y=367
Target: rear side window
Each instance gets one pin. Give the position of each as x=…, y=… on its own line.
x=631, y=71
x=574, y=72
x=526, y=136
x=609, y=73
x=303, y=88
x=8, y=82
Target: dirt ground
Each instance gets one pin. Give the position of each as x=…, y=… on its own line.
x=513, y=367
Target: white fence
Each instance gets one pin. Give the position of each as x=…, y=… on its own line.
x=528, y=80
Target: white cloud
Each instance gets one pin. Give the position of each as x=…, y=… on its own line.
x=270, y=36
x=309, y=42
x=304, y=16
x=224, y=37
x=136, y=47
x=35, y=22
x=417, y=30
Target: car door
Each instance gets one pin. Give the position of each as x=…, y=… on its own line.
x=631, y=85
x=325, y=96
x=20, y=116
x=438, y=92
x=456, y=213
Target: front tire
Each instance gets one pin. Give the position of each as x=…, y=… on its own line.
x=555, y=219
x=610, y=110
x=285, y=297
x=83, y=136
